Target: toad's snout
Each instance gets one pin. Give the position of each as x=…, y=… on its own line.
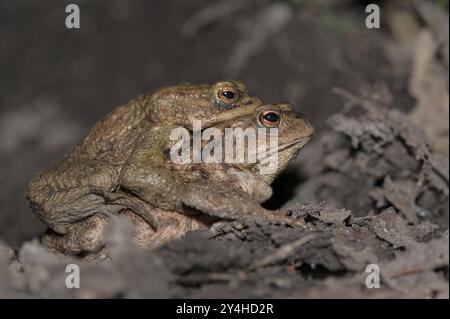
x=305, y=124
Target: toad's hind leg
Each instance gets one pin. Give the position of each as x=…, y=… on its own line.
x=73, y=192
x=63, y=208
x=65, y=194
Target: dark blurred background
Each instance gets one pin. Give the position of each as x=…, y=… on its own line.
x=55, y=83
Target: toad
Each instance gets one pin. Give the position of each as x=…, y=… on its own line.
x=123, y=167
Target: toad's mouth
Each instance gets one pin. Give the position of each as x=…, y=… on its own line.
x=290, y=149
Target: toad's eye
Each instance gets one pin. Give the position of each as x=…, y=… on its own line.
x=269, y=118
x=228, y=95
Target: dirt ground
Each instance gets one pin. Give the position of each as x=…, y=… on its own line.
x=373, y=182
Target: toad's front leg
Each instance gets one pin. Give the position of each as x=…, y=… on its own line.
x=229, y=204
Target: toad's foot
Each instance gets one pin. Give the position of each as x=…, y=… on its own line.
x=222, y=228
